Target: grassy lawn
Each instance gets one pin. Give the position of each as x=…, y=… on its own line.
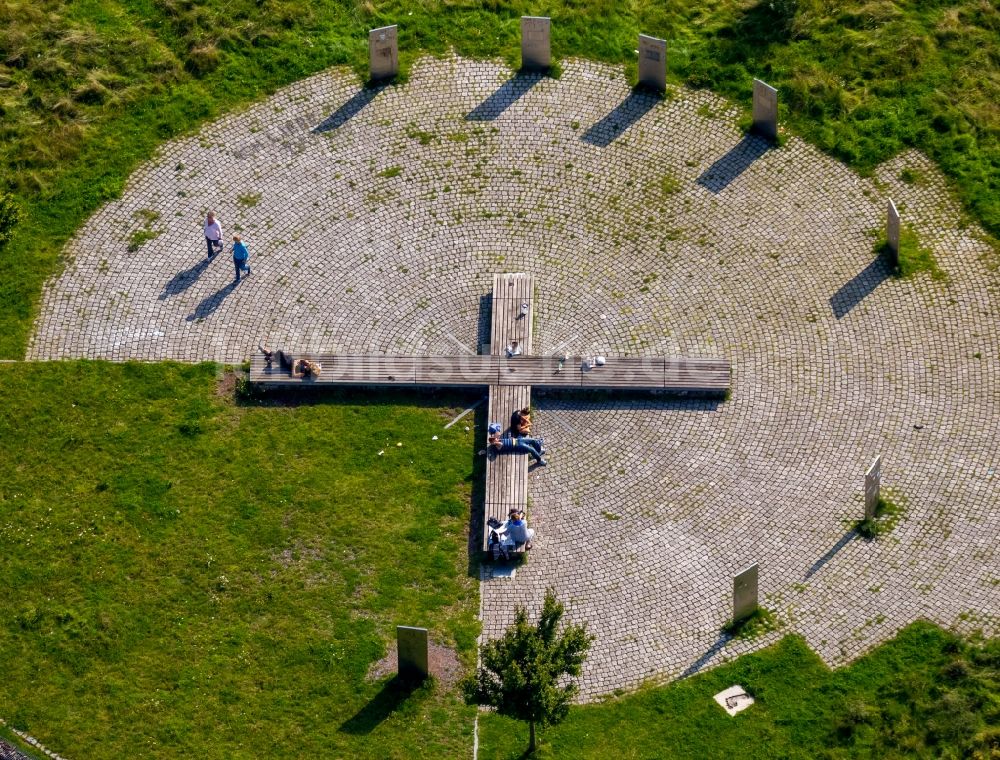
x=187, y=576
x=925, y=694
x=88, y=89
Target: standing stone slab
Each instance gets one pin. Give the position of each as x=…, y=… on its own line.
x=745, y=593
x=653, y=62
x=873, y=487
x=411, y=649
x=765, y=110
x=892, y=233
x=536, y=44
x=383, y=52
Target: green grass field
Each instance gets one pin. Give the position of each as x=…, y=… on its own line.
x=925, y=694
x=89, y=89
x=189, y=576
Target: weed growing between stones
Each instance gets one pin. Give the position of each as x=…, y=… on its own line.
x=914, y=257
x=753, y=626
x=887, y=514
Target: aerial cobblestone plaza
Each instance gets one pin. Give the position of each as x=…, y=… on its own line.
x=376, y=219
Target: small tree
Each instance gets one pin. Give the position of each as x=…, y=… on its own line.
x=520, y=673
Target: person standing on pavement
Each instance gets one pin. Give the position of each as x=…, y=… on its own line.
x=213, y=234
x=240, y=256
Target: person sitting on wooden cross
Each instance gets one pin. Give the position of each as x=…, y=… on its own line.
x=520, y=421
x=518, y=530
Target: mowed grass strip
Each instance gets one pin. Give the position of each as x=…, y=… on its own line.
x=189, y=576
x=89, y=89
x=926, y=693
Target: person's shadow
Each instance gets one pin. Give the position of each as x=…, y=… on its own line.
x=184, y=280
x=210, y=303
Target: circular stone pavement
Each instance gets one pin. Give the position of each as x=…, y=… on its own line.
x=376, y=220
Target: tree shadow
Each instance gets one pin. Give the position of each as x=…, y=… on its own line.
x=395, y=692
x=737, y=160
x=638, y=103
x=349, y=110
x=210, y=303
x=697, y=665
x=184, y=280
x=508, y=94
x=844, y=541
x=859, y=287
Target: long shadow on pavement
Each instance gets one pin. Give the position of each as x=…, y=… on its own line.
x=737, y=160
x=624, y=115
x=844, y=541
x=208, y=306
x=713, y=650
x=381, y=706
x=184, y=280
x=508, y=94
x=859, y=287
x=349, y=110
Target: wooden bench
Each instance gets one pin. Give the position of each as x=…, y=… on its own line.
x=340, y=369
x=622, y=373
x=507, y=474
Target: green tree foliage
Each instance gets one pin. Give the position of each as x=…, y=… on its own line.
x=10, y=214
x=521, y=675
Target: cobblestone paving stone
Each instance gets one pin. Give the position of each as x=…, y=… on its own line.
x=652, y=228
x=8, y=752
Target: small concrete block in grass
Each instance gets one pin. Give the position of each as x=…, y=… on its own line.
x=734, y=699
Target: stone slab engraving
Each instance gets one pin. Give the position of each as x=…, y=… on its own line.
x=873, y=487
x=765, y=110
x=734, y=699
x=745, y=593
x=411, y=649
x=892, y=233
x=383, y=52
x=653, y=62
x=536, y=44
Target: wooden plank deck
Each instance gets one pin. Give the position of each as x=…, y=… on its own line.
x=339, y=369
x=636, y=373
x=507, y=474
x=623, y=373
x=510, y=293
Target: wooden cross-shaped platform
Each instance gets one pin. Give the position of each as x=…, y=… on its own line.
x=509, y=378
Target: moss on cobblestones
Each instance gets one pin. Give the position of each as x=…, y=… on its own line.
x=90, y=89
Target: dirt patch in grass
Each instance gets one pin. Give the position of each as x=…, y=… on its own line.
x=226, y=387
x=442, y=662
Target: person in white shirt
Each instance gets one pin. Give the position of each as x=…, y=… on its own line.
x=213, y=235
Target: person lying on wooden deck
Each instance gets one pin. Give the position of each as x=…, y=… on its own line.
x=507, y=444
x=298, y=367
